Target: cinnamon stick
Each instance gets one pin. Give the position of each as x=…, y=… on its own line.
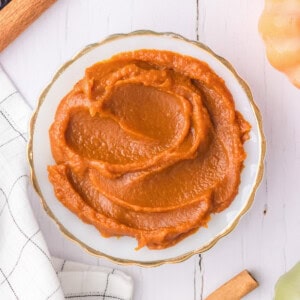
x=236, y=288
x=17, y=15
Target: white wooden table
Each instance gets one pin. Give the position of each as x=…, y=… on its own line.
x=267, y=240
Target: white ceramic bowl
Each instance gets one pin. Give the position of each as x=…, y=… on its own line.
x=121, y=250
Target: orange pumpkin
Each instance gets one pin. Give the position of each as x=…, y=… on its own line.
x=279, y=26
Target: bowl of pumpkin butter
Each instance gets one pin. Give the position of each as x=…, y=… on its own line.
x=146, y=148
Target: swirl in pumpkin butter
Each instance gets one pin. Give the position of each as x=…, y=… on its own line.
x=148, y=144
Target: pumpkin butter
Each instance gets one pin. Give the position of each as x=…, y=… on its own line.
x=148, y=144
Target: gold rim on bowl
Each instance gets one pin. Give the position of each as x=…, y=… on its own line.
x=187, y=255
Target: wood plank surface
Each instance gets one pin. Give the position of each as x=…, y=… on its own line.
x=267, y=240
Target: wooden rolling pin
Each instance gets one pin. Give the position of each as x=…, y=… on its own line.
x=236, y=288
x=17, y=15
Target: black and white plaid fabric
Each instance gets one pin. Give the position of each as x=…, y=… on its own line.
x=81, y=281
x=26, y=268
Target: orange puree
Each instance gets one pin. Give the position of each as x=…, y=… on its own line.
x=148, y=144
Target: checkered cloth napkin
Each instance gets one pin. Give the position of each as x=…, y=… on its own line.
x=27, y=272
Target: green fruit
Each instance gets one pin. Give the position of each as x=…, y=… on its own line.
x=288, y=285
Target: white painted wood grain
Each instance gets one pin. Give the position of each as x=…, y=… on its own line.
x=265, y=243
